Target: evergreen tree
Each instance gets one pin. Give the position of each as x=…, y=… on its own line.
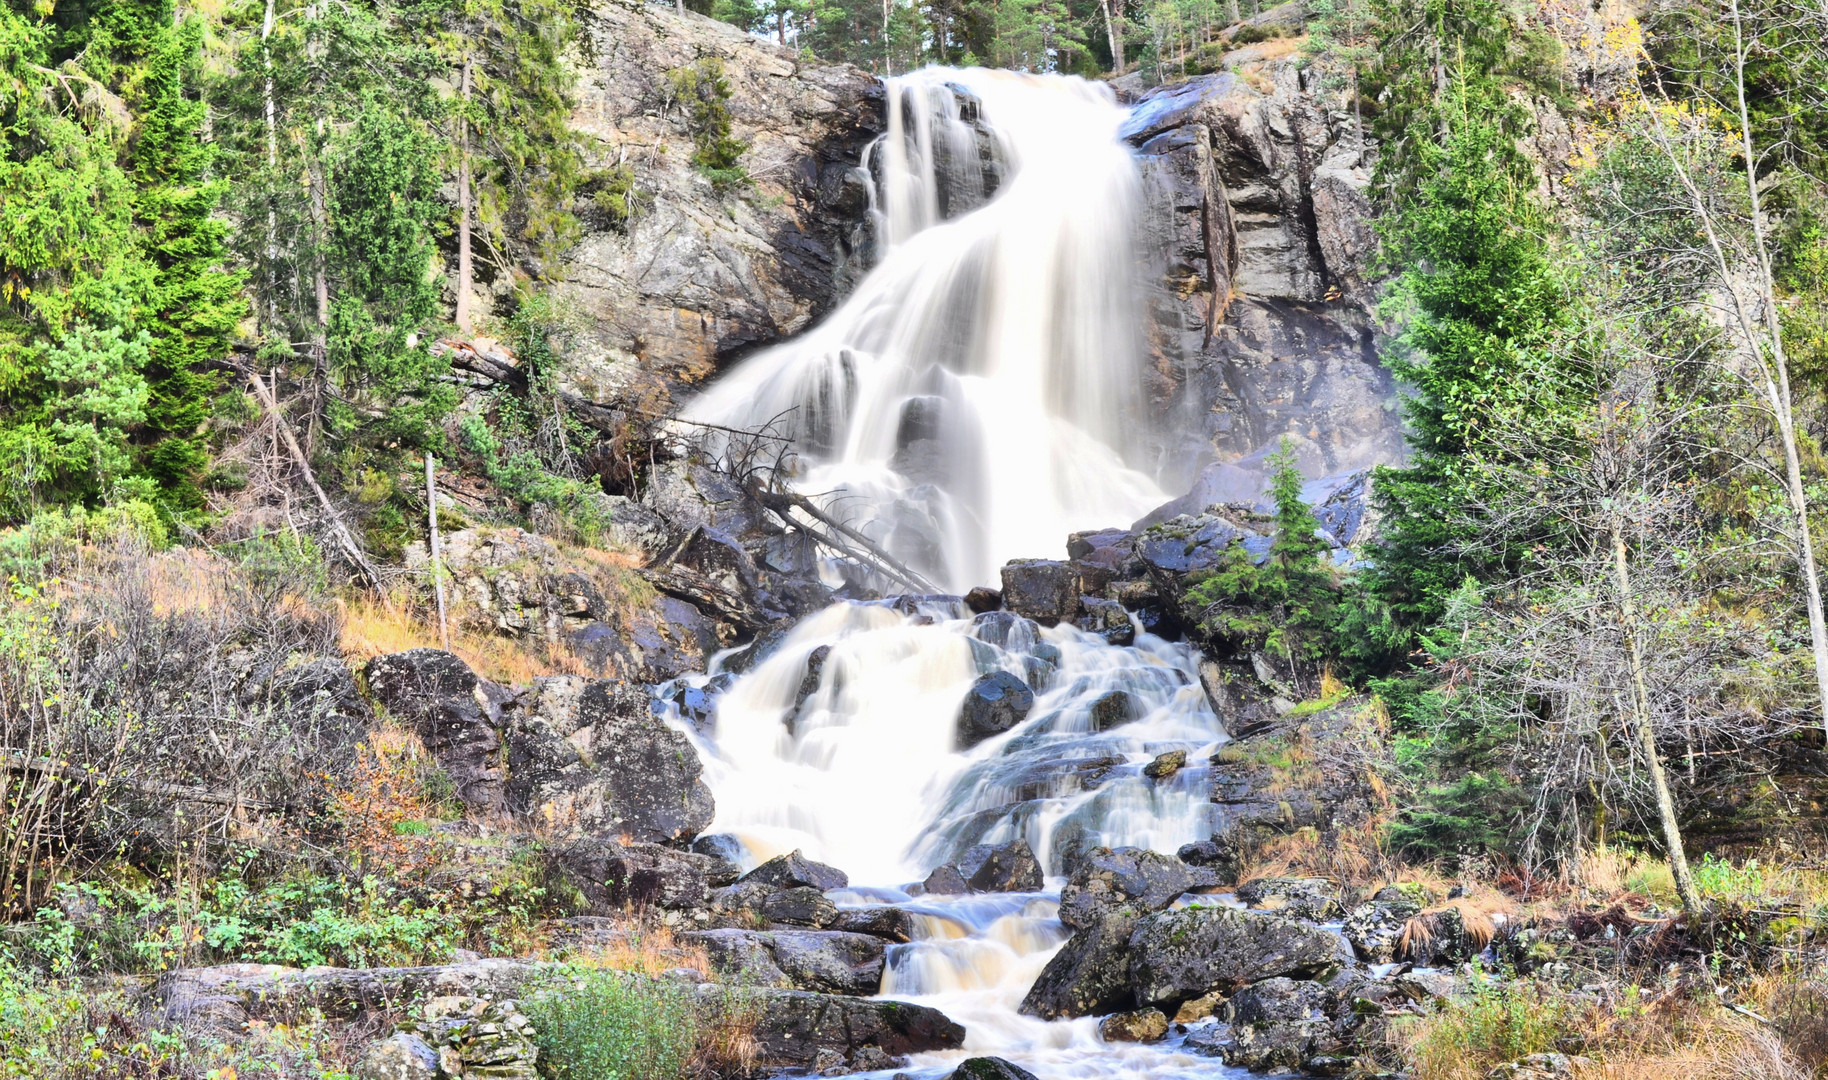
x=194, y=303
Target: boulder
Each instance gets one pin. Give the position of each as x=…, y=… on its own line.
x=1277, y=1047
x=1134, y=879
x=1275, y=1001
x=989, y=1068
x=887, y=923
x=794, y=870
x=803, y=906
x=1141, y=1025
x=456, y=715
x=995, y=703
x=792, y=1026
x=643, y=782
x=1045, y=590
x=224, y=998
x=1373, y=928
x=981, y=599
x=1112, y=549
x=479, y=1038
x=1180, y=955
x=1313, y=899
x=402, y=1056
x=1010, y=867
x=1114, y=709
x=945, y=881
x=818, y=960
x=1165, y=765
x=1090, y=974
x=1217, y=856
x=613, y=877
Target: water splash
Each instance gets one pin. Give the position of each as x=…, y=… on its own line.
x=977, y=397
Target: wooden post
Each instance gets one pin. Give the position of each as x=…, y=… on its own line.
x=431, y=513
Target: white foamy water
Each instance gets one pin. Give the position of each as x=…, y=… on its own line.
x=973, y=401
x=975, y=398
x=863, y=772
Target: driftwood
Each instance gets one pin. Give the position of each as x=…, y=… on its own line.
x=838, y=537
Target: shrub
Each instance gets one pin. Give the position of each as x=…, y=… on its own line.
x=1490, y=1024
x=595, y=1025
x=703, y=89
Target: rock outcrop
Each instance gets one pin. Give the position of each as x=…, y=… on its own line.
x=1254, y=190
x=696, y=277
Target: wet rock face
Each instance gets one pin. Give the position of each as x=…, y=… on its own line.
x=696, y=278
x=1255, y=210
x=794, y=870
x=1090, y=974
x=1181, y=955
x=612, y=877
x=995, y=703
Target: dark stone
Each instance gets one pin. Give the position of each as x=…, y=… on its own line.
x=1109, y=548
x=824, y=961
x=989, y=1068
x=945, y=881
x=809, y=684
x=887, y=923
x=1108, y=620
x=613, y=877
x=1374, y=928
x=1090, y=975
x=792, y=1026
x=1217, y=856
x=800, y=907
x=795, y=870
x=1132, y=879
x=1180, y=955
x=722, y=845
x=1114, y=709
x=1274, y=1001
x=1010, y=867
x=647, y=784
x=1044, y=590
x=995, y=703
x=456, y=715
x=981, y=599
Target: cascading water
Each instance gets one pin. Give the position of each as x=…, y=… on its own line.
x=969, y=403
x=975, y=397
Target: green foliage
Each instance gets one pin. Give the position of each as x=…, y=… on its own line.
x=1286, y=605
x=381, y=212
x=702, y=89
x=592, y=1024
x=1480, y=296
x=1491, y=1022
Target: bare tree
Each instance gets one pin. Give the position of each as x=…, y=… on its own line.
x=1733, y=227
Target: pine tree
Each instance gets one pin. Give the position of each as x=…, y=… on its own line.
x=195, y=303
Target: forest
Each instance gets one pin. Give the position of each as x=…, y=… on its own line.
x=338, y=602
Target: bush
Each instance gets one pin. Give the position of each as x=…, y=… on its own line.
x=1491, y=1024
x=598, y=1025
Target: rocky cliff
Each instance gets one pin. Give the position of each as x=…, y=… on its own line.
x=1259, y=235
x=696, y=277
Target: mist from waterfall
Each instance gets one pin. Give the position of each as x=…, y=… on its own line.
x=977, y=396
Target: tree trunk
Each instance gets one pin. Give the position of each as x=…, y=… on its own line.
x=1110, y=32
x=888, y=65
x=465, y=270
x=1647, y=738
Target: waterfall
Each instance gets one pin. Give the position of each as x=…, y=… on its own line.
x=974, y=400
x=978, y=395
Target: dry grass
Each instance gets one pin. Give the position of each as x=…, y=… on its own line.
x=641, y=946
x=370, y=629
